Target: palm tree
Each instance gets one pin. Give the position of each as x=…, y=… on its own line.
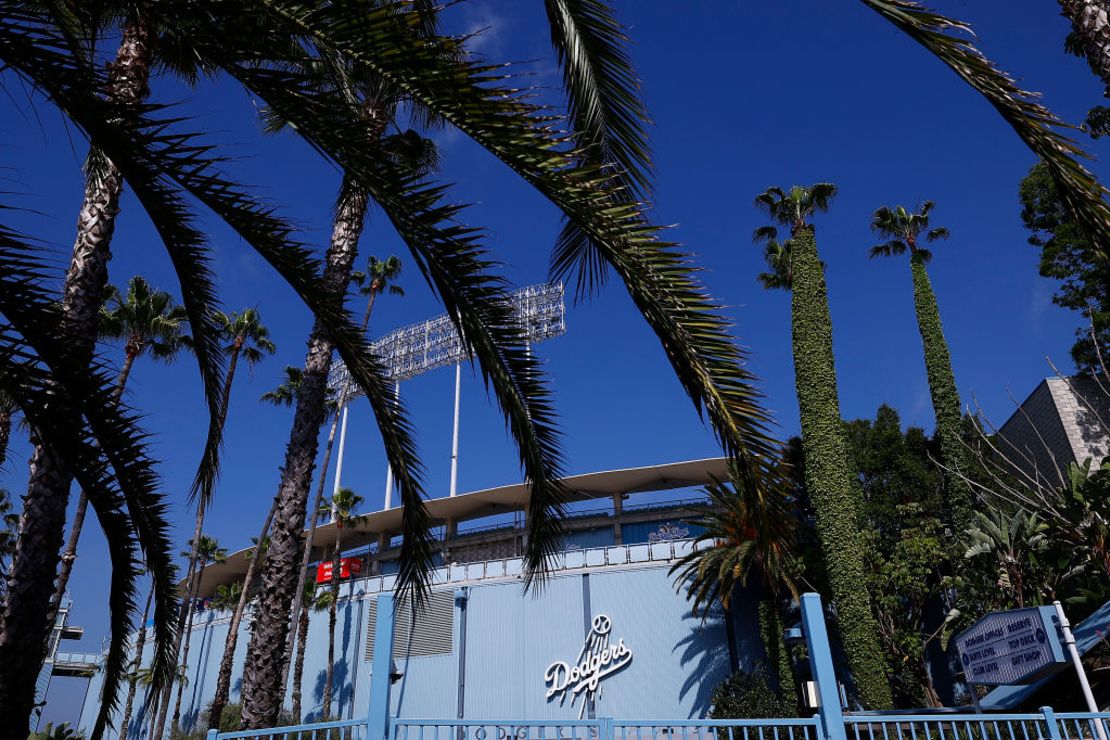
x=378, y=278
x=1090, y=22
x=248, y=338
x=8, y=410
x=148, y=322
x=206, y=550
x=9, y=526
x=828, y=475
x=140, y=643
x=318, y=603
x=748, y=538
x=904, y=232
x=341, y=507
x=227, y=596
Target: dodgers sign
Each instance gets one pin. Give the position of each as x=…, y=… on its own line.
x=597, y=660
x=1012, y=647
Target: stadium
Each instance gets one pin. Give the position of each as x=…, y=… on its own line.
x=485, y=648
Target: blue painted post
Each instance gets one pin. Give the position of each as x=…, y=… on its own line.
x=821, y=666
x=1050, y=722
x=377, y=721
x=212, y=734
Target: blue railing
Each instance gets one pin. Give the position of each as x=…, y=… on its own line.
x=1045, y=725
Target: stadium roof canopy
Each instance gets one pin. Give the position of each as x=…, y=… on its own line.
x=486, y=503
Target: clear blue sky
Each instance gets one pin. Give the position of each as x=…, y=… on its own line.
x=743, y=96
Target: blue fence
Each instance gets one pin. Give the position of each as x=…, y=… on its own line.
x=829, y=723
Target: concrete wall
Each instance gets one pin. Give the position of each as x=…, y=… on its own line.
x=510, y=639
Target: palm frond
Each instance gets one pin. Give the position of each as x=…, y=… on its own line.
x=1034, y=123
x=658, y=277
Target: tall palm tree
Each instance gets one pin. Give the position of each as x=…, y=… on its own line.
x=904, y=232
x=206, y=550
x=132, y=681
x=247, y=338
x=8, y=410
x=827, y=471
x=148, y=322
x=341, y=508
x=748, y=539
x=1090, y=22
x=380, y=276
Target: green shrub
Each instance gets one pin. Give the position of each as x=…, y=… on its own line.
x=748, y=696
x=57, y=732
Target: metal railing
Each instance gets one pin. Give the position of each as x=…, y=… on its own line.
x=1045, y=725
x=349, y=729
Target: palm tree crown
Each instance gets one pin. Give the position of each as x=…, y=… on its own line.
x=341, y=507
x=208, y=550
x=794, y=207
x=146, y=319
x=243, y=330
x=903, y=231
x=379, y=276
x=286, y=393
x=777, y=255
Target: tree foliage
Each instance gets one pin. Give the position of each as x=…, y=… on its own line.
x=1069, y=257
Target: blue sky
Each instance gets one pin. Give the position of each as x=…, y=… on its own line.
x=743, y=96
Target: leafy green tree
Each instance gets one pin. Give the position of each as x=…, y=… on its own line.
x=828, y=475
x=227, y=596
x=905, y=231
x=148, y=322
x=1011, y=546
x=341, y=508
x=747, y=539
x=1070, y=257
x=748, y=695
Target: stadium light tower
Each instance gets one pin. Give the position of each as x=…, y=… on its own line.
x=414, y=350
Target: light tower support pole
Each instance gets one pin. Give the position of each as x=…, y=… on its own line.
x=1077, y=661
x=389, y=468
x=455, y=433
x=339, y=458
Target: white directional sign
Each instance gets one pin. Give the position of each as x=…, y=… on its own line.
x=1011, y=647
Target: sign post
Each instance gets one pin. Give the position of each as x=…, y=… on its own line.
x=1069, y=640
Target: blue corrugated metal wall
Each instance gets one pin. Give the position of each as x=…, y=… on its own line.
x=510, y=639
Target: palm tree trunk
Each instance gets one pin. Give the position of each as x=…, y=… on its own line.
x=225, y=395
x=69, y=557
x=333, y=609
x=262, y=686
x=298, y=668
x=124, y=373
x=140, y=643
x=1090, y=21
x=828, y=475
x=5, y=435
x=184, y=614
x=24, y=623
x=945, y=397
x=223, y=680
x=176, y=722
x=306, y=555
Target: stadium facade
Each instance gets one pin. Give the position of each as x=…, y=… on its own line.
x=607, y=635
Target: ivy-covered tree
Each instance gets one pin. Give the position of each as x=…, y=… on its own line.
x=904, y=232
x=828, y=474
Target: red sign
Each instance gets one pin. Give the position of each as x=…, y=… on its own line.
x=347, y=568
